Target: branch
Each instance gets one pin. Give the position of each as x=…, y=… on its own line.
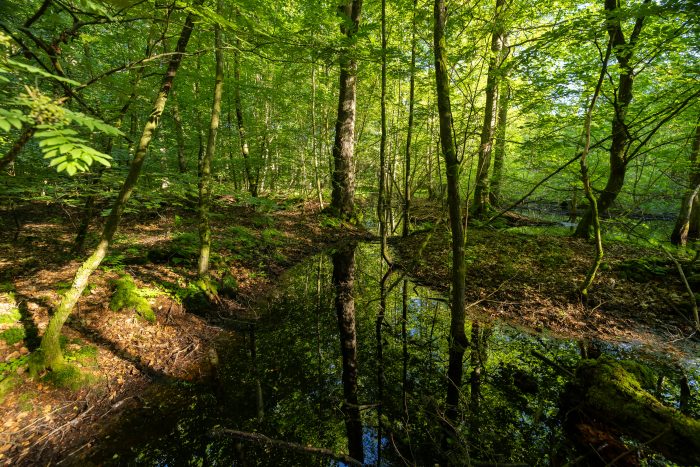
x=260, y=438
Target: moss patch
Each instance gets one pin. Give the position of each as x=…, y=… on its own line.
x=13, y=335
x=69, y=377
x=127, y=296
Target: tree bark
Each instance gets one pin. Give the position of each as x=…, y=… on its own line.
x=205, y=178
x=342, y=196
x=51, y=354
x=679, y=236
x=499, y=149
x=481, y=192
x=458, y=338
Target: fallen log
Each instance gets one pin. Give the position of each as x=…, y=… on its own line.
x=605, y=394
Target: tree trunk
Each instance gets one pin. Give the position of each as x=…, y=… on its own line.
x=458, y=338
x=624, y=51
x=51, y=355
x=27, y=133
x=679, y=236
x=205, y=179
x=381, y=202
x=179, y=136
x=481, y=192
x=343, y=280
x=252, y=184
x=342, y=196
x=409, y=132
x=499, y=149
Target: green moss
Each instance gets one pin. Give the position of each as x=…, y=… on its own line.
x=13, y=335
x=69, y=377
x=7, y=287
x=644, y=375
x=228, y=286
x=6, y=386
x=127, y=296
x=11, y=316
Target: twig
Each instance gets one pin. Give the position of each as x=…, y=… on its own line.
x=553, y=364
x=260, y=438
x=691, y=295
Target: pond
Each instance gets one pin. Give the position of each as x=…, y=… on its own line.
x=323, y=373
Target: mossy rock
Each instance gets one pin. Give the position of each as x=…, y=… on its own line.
x=126, y=296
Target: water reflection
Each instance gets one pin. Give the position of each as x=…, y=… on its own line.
x=343, y=280
x=353, y=360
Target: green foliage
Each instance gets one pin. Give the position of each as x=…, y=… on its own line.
x=127, y=296
x=13, y=335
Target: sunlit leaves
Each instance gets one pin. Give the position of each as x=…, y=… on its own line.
x=67, y=151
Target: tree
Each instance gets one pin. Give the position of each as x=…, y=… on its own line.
x=50, y=355
x=458, y=337
x=205, y=177
x=342, y=196
x=679, y=236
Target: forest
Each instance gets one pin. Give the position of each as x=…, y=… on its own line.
x=238, y=232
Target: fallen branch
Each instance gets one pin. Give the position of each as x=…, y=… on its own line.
x=260, y=438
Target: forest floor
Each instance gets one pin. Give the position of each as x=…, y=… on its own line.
x=528, y=280
x=530, y=277
x=117, y=352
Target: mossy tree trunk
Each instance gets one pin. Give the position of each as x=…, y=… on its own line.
x=409, y=131
x=205, y=177
x=458, y=338
x=482, y=200
x=606, y=392
x=624, y=51
x=343, y=181
x=499, y=148
x=586, y=180
x=51, y=355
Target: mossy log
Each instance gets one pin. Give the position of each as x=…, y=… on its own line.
x=606, y=394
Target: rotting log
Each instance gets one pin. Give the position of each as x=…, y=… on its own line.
x=605, y=394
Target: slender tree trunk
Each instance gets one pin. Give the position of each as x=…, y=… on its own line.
x=458, y=338
x=381, y=202
x=342, y=196
x=587, y=190
x=499, y=150
x=314, y=142
x=205, y=179
x=50, y=348
x=481, y=191
x=409, y=132
x=24, y=137
x=252, y=184
x=679, y=236
x=179, y=136
x=624, y=51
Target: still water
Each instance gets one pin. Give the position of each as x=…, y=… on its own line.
x=333, y=365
